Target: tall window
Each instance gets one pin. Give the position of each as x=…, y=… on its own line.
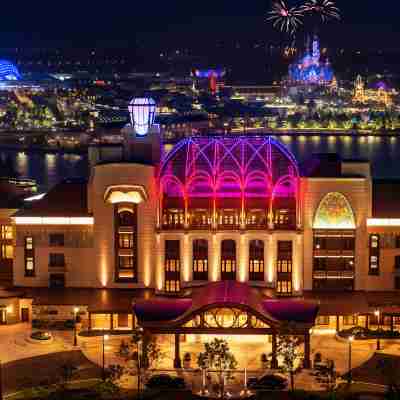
x=200, y=260
x=29, y=256
x=284, y=267
x=6, y=232
x=374, y=250
x=126, y=243
x=172, y=266
x=228, y=260
x=7, y=252
x=56, y=240
x=256, y=260
x=56, y=260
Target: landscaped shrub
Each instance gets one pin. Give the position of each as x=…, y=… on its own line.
x=361, y=333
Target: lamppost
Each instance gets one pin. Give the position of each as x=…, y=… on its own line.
x=105, y=338
x=76, y=310
x=139, y=358
x=1, y=380
x=378, y=340
x=349, y=376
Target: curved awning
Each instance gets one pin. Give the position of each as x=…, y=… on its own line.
x=162, y=312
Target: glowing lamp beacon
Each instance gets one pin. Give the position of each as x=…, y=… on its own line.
x=142, y=112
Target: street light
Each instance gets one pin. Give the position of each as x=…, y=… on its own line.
x=349, y=376
x=105, y=338
x=76, y=310
x=378, y=341
x=139, y=358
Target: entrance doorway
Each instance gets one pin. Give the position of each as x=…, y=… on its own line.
x=25, y=314
x=3, y=316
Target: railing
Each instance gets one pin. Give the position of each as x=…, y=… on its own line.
x=334, y=274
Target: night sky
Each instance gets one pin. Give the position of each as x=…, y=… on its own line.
x=120, y=21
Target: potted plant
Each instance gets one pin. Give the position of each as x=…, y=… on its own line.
x=187, y=358
x=264, y=361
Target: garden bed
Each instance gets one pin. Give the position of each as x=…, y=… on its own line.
x=360, y=333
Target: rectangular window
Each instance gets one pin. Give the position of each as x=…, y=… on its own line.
x=397, y=283
x=126, y=267
x=29, y=256
x=397, y=242
x=7, y=252
x=256, y=260
x=56, y=260
x=374, y=252
x=126, y=240
x=200, y=260
x=284, y=288
x=397, y=262
x=126, y=243
x=351, y=320
x=172, y=266
x=56, y=240
x=322, y=320
x=6, y=232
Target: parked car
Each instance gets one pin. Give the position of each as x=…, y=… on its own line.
x=164, y=381
x=268, y=382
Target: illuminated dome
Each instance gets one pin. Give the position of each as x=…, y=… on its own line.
x=244, y=173
x=8, y=71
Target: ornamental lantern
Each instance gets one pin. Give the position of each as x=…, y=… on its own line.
x=142, y=112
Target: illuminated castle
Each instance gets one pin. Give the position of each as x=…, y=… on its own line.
x=309, y=69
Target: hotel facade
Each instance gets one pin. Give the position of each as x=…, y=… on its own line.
x=223, y=228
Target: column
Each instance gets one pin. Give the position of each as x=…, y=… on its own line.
x=274, y=359
x=177, y=359
x=187, y=275
x=391, y=323
x=337, y=323
x=298, y=263
x=307, y=351
x=159, y=250
x=367, y=321
x=270, y=262
x=214, y=273
x=243, y=259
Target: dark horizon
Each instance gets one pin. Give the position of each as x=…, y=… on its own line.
x=176, y=23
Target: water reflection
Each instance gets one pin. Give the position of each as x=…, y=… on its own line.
x=383, y=152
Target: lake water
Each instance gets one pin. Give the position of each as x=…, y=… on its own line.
x=383, y=152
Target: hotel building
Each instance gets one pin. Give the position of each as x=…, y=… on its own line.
x=220, y=234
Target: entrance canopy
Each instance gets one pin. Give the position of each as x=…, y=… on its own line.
x=222, y=306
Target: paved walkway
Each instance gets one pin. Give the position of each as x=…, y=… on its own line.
x=13, y=346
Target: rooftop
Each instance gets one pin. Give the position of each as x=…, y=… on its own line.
x=66, y=199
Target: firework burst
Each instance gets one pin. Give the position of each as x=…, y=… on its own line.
x=325, y=9
x=287, y=19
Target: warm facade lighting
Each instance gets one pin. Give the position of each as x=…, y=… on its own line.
x=384, y=222
x=135, y=194
x=54, y=220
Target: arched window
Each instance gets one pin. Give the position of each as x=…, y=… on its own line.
x=200, y=260
x=126, y=243
x=256, y=260
x=334, y=212
x=228, y=260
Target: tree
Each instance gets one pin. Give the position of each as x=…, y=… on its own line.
x=143, y=350
x=288, y=350
x=218, y=356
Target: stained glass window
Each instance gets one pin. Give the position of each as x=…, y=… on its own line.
x=334, y=212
